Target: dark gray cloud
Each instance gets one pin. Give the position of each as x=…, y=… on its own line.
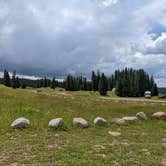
x=59, y=37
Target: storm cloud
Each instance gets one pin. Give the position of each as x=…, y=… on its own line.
x=57, y=37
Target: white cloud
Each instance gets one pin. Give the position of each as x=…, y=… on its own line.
x=159, y=45
x=109, y=2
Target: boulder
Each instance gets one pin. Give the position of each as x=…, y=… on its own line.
x=118, y=121
x=80, y=122
x=114, y=134
x=130, y=118
x=100, y=121
x=58, y=122
x=159, y=115
x=141, y=115
x=20, y=123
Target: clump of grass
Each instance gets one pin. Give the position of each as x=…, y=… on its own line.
x=59, y=128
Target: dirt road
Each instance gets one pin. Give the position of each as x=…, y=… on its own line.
x=134, y=99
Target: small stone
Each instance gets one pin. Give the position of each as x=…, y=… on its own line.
x=164, y=162
x=80, y=122
x=141, y=115
x=114, y=134
x=100, y=121
x=58, y=122
x=159, y=115
x=130, y=118
x=118, y=121
x=101, y=155
x=125, y=144
x=163, y=145
x=98, y=147
x=20, y=123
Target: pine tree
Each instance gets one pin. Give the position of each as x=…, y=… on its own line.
x=152, y=84
x=6, y=78
x=53, y=83
x=119, y=87
x=23, y=85
x=103, y=85
x=156, y=92
x=17, y=82
x=14, y=85
x=84, y=84
x=45, y=82
x=67, y=83
x=93, y=79
x=97, y=80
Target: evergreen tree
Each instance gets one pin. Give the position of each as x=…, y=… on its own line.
x=84, y=84
x=110, y=84
x=17, y=82
x=97, y=80
x=53, y=83
x=119, y=87
x=103, y=85
x=68, y=82
x=131, y=82
x=156, y=92
x=94, y=81
x=23, y=85
x=14, y=84
x=45, y=82
x=6, y=78
x=152, y=84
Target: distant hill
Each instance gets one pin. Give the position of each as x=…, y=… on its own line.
x=162, y=90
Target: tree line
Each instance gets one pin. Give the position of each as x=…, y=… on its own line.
x=127, y=82
x=16, y=82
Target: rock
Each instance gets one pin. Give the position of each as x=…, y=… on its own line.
x=118, y=121
x=164, y=162
x=20, y=123
x=114, y=134
x=159, y=115
x=130, y=118
x=163, y=145
x=80, y=122
x=114, y=89
x=141, y=115
x=99, y=147
x=58, y=122
x=100, y=121
x=101, y=155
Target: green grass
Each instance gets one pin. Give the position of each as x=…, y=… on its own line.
x=140, y=143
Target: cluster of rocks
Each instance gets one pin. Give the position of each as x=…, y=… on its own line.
x=139, y=115
x=99, y=121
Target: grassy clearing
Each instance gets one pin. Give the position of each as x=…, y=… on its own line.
x=140, y=143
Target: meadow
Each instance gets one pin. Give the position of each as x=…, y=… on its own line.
x=140, y=143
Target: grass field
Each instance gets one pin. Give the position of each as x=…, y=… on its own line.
x=140, y=143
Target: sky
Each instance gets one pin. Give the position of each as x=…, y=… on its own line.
x=60, y=37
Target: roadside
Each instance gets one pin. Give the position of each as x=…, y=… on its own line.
x=133, y=99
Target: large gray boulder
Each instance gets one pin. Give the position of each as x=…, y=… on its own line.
x=130, y=118
x=58, y=122
x=141, y=115
x=80, y=122
x=20, y=123
x=99, y=121
x=159, y=115
x=118, y=121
